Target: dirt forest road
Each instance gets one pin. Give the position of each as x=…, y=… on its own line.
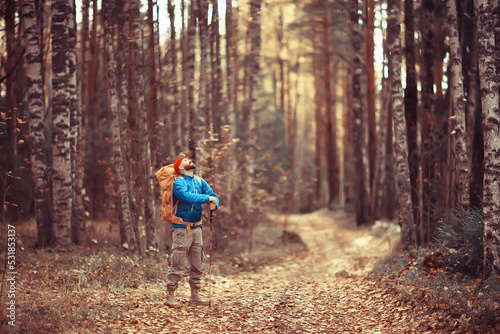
x=324, y=290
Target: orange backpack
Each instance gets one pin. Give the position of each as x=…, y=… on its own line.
x=166, y=177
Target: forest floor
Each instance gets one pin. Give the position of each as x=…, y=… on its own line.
x=322, y=279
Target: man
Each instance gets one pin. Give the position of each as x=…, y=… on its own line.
x=190, y=192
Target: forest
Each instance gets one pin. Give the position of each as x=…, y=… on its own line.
x=354, y=146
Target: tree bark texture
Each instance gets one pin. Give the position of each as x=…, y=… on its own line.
x=254, y=70
x=411, y=103
x=429, y=166
x=118, y=154
x=61, y=133
x=36, y=127
x=491, y=131
x=152, y=90
x=403, y=187
x=457, y=91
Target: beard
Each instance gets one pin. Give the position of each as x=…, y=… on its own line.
x=190, y=167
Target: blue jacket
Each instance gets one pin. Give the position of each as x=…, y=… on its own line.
x=191, y=195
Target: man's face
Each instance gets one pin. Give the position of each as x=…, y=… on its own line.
x=187, y=164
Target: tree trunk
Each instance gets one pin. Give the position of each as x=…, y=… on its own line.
x=405, y=213
x=251, y=135
x=370, y=77
x=204, y=115
x=362, y=188
x=153, y=87
x=36, y=126
x=490, y=101
x=457, y=91
x=61, y=137
x=193, y=135
x=217, y=115
x=118, y=155
x=319, y=119
x=411, y=103
x=429, y=167
x=174, y=86
x=331, y=118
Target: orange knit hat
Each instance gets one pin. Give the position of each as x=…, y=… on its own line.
x=178, y=163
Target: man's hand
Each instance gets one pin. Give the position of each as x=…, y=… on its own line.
x=213, y=203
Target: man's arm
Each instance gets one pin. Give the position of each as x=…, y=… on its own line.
x=182, y=194
x=206, y=189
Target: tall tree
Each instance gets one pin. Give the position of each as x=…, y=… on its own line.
x=370, y=80
x=405, y=216
x=411, y=103
x=118, y=154
x=36, y=126
x=360, y=133
x=174, y=87
x=490, y=101
x=457, y=91
x=251, y=135
x=61, y=137
x=189, y=70
x=217, y=115
x=428, y=104
x=331, y=119
x=153, y=88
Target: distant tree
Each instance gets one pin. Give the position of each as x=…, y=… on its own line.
x=251, y=128
x=405, y=211
x=360, y=131
x=490, y=102
x=333, y=176
x=174, y=86
x=152, y=89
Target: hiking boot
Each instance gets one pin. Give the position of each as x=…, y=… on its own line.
x=170, y=297
x=195, y=296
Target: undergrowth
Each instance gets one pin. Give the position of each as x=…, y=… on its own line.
x=444, y=280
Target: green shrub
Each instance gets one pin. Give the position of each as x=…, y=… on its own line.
x=461, y=248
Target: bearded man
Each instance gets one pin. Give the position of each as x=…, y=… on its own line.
x=190, y=192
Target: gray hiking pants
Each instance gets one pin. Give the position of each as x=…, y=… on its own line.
x=186, y=247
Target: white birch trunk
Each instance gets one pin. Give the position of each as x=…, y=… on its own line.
x=488, y=79
x=403, y=187
x=61, y=135
x=36, y=127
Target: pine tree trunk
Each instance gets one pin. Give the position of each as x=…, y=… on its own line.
x=405, y=211
x=61, y=136
x=36, y=126
x=331, y=118
x=490, y=102
x=320, y=128
x=118, y=154
x=362, y=180
x=457, y=90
